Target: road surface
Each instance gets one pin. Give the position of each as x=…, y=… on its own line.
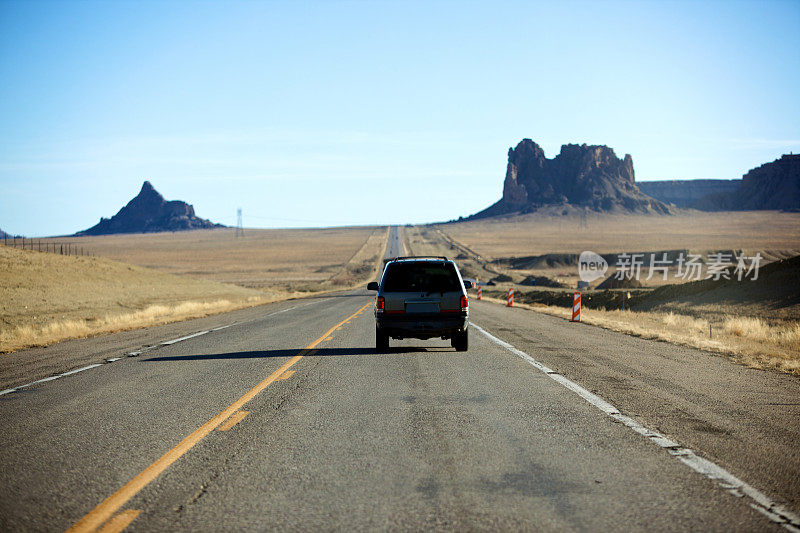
x=287, y=419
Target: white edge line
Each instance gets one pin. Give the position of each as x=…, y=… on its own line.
x=283, y=311
x=87, y=367
x=137, y=353
x=51, y=378
x=187, y=337
x=712, y=471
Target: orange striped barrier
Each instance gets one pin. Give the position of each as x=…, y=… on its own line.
x=510, y=298
x=480, y=292
x=576, y=307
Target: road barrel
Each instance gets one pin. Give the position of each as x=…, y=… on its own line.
x=576, y=307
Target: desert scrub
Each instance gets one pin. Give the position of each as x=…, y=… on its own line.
x=45, y=298
x=30, y=336
x=750, y=341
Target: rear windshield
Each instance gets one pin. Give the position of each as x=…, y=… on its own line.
x=424, y=276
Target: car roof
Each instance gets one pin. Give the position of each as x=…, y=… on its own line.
x=411, y=259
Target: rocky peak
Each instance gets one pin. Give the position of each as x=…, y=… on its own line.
x=148, y=191
x=150, y=212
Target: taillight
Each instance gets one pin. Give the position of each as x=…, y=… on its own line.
x=380, y=304
x=464, y=303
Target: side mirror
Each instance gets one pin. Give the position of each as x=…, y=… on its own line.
x=372, y=286
x=467, y=284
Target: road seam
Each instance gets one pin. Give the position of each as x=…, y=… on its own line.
x=724, y=479
x=105, y=509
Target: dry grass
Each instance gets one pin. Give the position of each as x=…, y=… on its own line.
x=45, y=297
x=693, y=230
x=286, y=259
x=775, y=235
x=749, y=341
x=57, y=330
x=366, y=264
x=426, y=240
x=735, y=326
x=756, y=329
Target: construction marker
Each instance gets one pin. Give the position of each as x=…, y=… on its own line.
x=576, y=307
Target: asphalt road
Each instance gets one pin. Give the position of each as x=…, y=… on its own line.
x=394, y=244
x=288, y=419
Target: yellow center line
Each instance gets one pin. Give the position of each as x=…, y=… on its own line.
x=120, y=521
x=233, y=420
x=113, y=503
x=286, y=375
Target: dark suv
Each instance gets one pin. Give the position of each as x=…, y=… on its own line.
x=421, y=298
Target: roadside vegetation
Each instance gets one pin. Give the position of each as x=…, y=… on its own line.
x=750, y=341
x=46, y=298
x=756, y=323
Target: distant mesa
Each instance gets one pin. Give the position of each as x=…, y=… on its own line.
x=149, y=212
x=583, y=176
x=687, y=193
x=774, y=185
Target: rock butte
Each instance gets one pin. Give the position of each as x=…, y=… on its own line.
x=150, y=212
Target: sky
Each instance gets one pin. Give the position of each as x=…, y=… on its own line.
x=349, y=113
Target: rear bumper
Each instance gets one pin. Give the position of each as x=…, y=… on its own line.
x=422, y=326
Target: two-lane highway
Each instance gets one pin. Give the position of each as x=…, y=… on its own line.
x=289, y=419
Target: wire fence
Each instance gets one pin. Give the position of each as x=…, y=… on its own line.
x=45, y=246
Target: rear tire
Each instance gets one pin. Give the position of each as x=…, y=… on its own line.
x=460, y=341
x=381, y=341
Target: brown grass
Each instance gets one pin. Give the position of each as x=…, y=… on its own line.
x=748, y=341
x=45, y=298
x=57, y=330
x=286, y=259
x=693, y=230
x=365, y=264
x=427, y=240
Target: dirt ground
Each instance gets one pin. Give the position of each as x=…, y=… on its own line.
x=692, y=230
x=144, y=279
x=286, y=259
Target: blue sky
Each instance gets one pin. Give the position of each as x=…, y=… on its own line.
x=332, y=113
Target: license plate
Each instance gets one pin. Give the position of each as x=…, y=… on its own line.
x=413, y=308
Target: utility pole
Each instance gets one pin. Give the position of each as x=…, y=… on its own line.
x=239, y=228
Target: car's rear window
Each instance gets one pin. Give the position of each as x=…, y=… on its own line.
x=424, y=276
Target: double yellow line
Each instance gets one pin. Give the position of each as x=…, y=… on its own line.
x=113, y=503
